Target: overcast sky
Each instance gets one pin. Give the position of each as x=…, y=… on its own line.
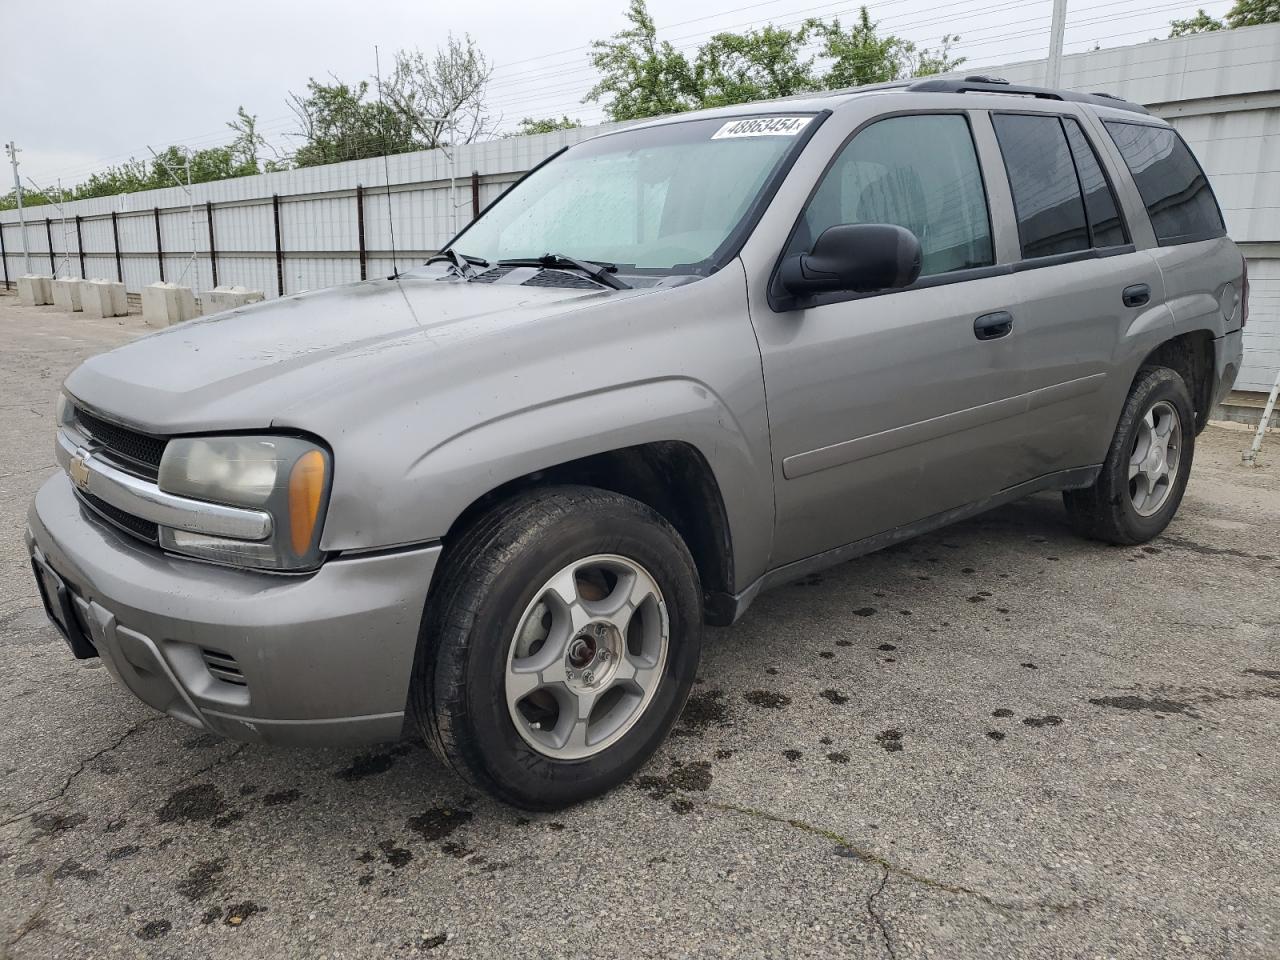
x=102, y=80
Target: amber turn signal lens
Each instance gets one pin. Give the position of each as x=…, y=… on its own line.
x=306, y=488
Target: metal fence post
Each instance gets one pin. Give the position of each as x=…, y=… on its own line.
x=364, y=267
x=80, y=248
x=115, y=238
x=159, y=245
x=4, y=258
x=48, y=232
x=475, y=194
x=275, y=216
x=213, y=249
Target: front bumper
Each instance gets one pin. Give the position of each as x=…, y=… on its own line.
x=316, y=660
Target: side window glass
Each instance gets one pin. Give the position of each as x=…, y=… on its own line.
x=1174, y=189
x=1046, y=193
x=1099, y=200
x=919, y=172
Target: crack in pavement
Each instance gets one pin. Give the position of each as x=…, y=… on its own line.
x=878, y=917
x=846, y=848
x=62, y=792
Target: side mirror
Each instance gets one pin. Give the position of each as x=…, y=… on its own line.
x=856, y=258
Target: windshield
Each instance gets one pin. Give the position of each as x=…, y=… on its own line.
x=663, y=199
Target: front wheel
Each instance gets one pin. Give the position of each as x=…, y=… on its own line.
x=560, y=645
x=1147, y=467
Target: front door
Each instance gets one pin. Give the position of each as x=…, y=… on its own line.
x=886, y=409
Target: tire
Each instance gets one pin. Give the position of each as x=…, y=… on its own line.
x=1121, y=510
x=495, y=592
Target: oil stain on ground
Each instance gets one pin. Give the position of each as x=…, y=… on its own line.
x=367, y=765
x=438, y=822
x=202, y=879
x=200, y=801
x=767, y=699
x=703, y=710
x=891, y=740
x=695, y=776
x=1157, y=705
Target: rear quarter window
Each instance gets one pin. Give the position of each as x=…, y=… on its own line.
x=1173, y=187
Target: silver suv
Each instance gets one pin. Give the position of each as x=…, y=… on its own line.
x=493, y=500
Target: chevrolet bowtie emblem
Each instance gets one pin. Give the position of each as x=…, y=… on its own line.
x=79, y=469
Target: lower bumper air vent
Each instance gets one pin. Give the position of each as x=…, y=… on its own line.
x=223, y=666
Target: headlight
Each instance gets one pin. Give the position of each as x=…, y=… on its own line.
x=288, y=477
x=62, y=411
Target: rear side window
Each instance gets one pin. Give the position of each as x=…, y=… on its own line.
x=918, y=171
x=1046, y=193
x=1105, y=225
x=1174, y=189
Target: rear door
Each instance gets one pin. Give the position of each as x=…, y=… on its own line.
x=1081, y=286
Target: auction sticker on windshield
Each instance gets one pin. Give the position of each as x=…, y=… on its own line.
x=762, y=127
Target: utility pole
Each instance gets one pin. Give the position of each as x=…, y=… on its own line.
x=12, y=150
x=1053, y=66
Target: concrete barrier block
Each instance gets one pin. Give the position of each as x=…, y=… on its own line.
x=103, y=298
x=35, y=290
x=228, y=298
x=66, y=294
x=164, y=304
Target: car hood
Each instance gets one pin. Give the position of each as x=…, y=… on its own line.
x=257, y=365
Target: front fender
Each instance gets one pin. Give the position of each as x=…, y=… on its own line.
x=451, y=476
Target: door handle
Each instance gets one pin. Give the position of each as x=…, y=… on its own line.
x=1136, y=295
x=993, y=326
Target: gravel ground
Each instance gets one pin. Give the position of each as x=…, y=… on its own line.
x=994, y=741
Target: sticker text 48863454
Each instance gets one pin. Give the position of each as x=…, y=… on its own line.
x=762, y=127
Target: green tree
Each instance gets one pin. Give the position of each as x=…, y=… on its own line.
x=860, y=55
x=642, y=77
x=639, y=76
x=529, y=126
x=340, y=122
x=441, y=98
x=1250, y=13
x=1200, y=23
x=927, y=62
x=757, y=65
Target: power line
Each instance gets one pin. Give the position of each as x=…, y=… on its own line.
x=532, y=100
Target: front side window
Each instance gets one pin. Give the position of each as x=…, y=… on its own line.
x=664, y=199
x=917, y=171
x=1174, y=189
x=1042, y=176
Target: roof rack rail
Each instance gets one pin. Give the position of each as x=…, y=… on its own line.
x=985, y=84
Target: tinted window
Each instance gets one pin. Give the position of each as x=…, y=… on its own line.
x=1046, y=193
x=919, y=172
x=1099, y=201
x=1173, y=187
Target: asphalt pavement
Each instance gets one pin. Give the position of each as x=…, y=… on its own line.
x=998, y=740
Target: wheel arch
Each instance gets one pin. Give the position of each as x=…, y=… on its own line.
x=670, y=476
x=1191, y=356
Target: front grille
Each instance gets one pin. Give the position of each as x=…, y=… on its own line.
x=127, y=522
x=140, y=450
x=223, y=666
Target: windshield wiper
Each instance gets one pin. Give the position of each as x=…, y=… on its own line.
x=595, y=269
x=462, y=264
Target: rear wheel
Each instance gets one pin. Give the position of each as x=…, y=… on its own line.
x=560, y=645
x=1147, y=467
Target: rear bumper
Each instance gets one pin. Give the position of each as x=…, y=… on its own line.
x=315, y=660
x=1228, y=351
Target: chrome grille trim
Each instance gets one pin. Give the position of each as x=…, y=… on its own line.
x=144, y=499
